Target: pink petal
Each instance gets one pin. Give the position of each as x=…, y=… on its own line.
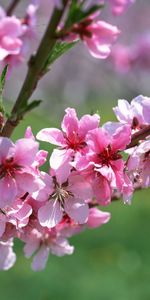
x=30, y=247
x=121, y=138
x=77, y=210
x=8, y=191
x=88, y=122
x=24, y=212
x=97, y=217
x=60, y=162
x=80, y=187
x=50, y=214
x=43, y=193
x=40, y=259
x=5, y=146
x=25, y=152
x=28, y=183
x=70, y=122
x=7, y=256
x=13, y=46
x=3, y=53
x=29, y=134
x=10, y=26
x=102, y=190
x=122, y=111
x=40, y=158
x=2, y=225
x=98, y=139
x=51, y=135
x=96, y=50
x=61, y=247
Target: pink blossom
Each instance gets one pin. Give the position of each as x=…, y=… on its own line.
x=41, y=155
x=7, y=256
x=122, y=57
x=29, y=21
x=103, y=35
x=138, y=166
x=140, y=50
x=17, y=215
x=43, y=243
x=97, y=217
x=119, y=6
x=134, y=57
x=10, y=36
x=127, y=189
x=98, y=36
x=68, y=227
x=63, y=197
x=103, y=163
x=15, y=35
x=136, y=114
x=16, y=174
x=70, y=140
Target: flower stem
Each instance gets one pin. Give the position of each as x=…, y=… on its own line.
x=12, y=7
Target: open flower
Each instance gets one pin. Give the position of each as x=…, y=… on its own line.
x=98, y=36
x=44, y=242
x=103, y=163
x=70, y=140
x=119, y=6
x=68, y=197
x=16, y=173
x=136, y=113
x=10, y=36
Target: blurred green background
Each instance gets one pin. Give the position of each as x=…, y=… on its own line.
x=109, y=263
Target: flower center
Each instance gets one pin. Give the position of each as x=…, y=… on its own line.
x=82, y=29
x=9, y=168
x=61, y=193
x=107, y=155
x=75, y=142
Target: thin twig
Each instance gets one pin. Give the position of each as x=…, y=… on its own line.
x=11, y=7
x=138, y=136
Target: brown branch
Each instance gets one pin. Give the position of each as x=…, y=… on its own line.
x=12, y=7
x=138, y=136
x=35, y=71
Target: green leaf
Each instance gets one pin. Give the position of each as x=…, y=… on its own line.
x=2, y=84
x=59, y=49
x=25, y=109
x=77, y=14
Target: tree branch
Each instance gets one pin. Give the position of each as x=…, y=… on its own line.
x=35, y=71
x=12, y=7
x=138, y=136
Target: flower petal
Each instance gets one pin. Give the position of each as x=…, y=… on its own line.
x=77, y=210
x=51, y=135
x=50, y=214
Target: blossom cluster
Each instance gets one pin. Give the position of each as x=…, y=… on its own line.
x=96, y=34
x=132, y=57
x=88, y=168
x=15, y=35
